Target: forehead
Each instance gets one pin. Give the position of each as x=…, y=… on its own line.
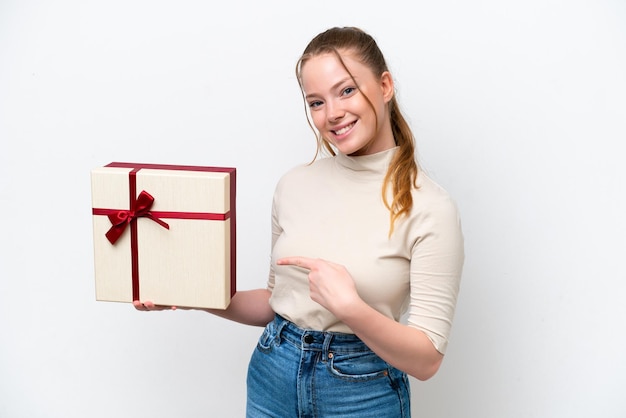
x=326, y=69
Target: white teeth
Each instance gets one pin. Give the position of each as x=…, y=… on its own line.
x=344, y=129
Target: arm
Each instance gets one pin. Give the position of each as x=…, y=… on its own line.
x=250, y=307
x=404, y=347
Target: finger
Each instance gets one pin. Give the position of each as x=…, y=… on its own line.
x=139, y=305
x=304, y=262
x=150, y=306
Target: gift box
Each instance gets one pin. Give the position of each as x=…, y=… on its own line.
x=164, y=233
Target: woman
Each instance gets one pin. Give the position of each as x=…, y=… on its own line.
x=361, y=239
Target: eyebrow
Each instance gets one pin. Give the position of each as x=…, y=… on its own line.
x=334, y=87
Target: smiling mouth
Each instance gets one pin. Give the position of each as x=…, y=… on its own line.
x=344, y=129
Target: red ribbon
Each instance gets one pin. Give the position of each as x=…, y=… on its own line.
x=122, y=218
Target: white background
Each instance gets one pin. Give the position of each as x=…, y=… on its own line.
x=519, y=110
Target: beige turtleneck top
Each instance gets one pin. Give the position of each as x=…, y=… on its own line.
x=333, y=209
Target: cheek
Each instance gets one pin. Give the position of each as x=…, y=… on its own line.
x=318, y=120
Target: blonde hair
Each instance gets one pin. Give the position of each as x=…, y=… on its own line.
x=402, y=171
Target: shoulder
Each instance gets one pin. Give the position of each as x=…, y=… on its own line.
x=429, y=192
x=432, y=204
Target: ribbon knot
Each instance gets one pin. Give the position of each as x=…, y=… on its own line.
x=122, y=218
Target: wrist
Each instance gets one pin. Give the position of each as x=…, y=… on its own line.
x=351, y=309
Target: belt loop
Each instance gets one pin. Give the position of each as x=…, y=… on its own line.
x=281, y=323
x=326, y=353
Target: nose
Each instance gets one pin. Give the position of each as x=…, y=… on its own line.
x=334, y=111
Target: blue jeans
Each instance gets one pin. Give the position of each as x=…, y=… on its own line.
x=305, y=374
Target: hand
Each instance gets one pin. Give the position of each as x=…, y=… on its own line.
x=150, y=306
x=330, y=284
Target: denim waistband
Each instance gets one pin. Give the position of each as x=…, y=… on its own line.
x=307, y=339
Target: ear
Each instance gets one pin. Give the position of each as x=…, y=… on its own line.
x=386, y=84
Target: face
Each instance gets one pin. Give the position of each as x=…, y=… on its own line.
x=340, y=111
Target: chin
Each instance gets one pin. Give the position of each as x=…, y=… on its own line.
x=348, y=149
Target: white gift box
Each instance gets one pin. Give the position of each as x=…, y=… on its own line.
x=164, y=233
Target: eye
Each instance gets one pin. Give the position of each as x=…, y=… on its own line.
x=314, y=104
x=348, y=91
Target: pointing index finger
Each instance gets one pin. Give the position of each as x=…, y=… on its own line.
x=304, y=262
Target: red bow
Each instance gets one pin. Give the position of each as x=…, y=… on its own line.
x=122, y=218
